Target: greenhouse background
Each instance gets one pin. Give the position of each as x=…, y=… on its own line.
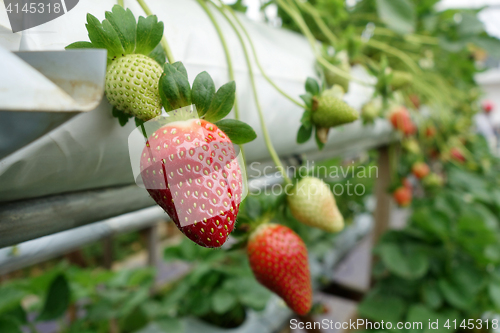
x=361, y=191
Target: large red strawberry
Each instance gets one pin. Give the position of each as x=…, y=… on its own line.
x=278, y=258
x=420, y=169
x=401, y=120
x=402, y=196
x=190, y=169
x=488, y=106
x=189, y=165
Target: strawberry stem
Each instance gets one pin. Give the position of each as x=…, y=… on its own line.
x=297, y=17
x=306, y=6
x=252, y=47
x=228, y=60
x=164, y=42
x=267, y=139
x=120, y=3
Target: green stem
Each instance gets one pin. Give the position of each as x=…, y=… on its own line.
x=120, y=3
x=228, y=59
x=254, y=52
x=267, y=138
x=319, y=21
x=164, y=42
x=395, y=52
x=295, y=15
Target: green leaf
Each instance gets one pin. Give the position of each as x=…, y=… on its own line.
x=306, y=119
x=238, y=131
x=318, y=141
x=222, y=103
x=454, y=295
x=10, y=297
x=180, y=67
x=431, y=295
x=404, y=260
x=175, y=91
x=223, y=301
x=9, y=325
x=122, y=116
x=158, y=55
x=398, y=15
x=312, y=86
x=470, y=25
x=57, y=301
x=304, y=134
x=149, y=34
x=307, y=98
x=80, y=45
x=494, y=293
x=378, y=306
x=203, y=92
x=123, y=22
x=104, y=36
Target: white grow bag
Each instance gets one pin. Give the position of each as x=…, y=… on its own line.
x=90, y=150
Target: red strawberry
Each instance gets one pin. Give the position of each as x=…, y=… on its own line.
x=189, y=169
x=457, y=155
x=278, y=258
x=420, y=170
x=403, y=196
x=488, y=106
x=401, y=120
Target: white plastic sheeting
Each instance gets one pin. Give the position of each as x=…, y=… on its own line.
x=90, y=150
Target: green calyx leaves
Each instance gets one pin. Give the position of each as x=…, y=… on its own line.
x=120, y=34
x=211, y=105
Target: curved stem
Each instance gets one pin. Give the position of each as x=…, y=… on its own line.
x=319, y=21
x=254, y=52
x=295, y=15
x=265, y=132
x=395, y=52
x=164, y=43
x=228, y=59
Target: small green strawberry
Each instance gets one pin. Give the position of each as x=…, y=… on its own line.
x=134, y=61
x=400, y=79
x=312, y=203
x=329, y=110
x=371, y=111
x=324, y=110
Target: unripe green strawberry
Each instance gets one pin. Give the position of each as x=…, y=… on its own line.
x=400, y=79
x=433, y=180
x=341, y=60
x=132, y=85
x=278, y=258
x=312, y=203
x=331, y=111
x=370, y=112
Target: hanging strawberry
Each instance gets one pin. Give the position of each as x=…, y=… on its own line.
x=324, y=110
x=189, y=165
x=135, y=61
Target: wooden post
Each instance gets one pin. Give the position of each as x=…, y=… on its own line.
x=383, y=209
x=107, y=247
x=151, y=236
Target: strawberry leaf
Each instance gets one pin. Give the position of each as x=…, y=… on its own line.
x=304, y=134
x=238, y=131
x=203, y=92
x=222, y=102
x=175, y=91
x=122, y=116
x=312, y=86
x=123, y=21
x=149, y=34
x=306, y=119
x=318, y=141
x=81, y=45
x=180, y=67
x=104, y=36
x=307, y=98
x=57, y=301
x=158, y=55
